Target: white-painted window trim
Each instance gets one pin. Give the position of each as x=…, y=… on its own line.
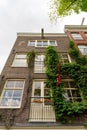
x=76, y=36
x=39, y=66
x=83, y=49
x=12, y=88
x=20, y=60
x=42, y=42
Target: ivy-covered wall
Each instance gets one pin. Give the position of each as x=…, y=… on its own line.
x=66, y=112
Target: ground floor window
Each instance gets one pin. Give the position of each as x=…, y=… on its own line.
x=72, y=92
x=12, y=94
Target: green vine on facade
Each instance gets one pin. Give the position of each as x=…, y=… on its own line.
x=30, y=58
x=66, y=111
x=75, y=54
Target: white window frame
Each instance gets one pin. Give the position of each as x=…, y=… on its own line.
x=29, y=43
x=39, y=66
x=42, y=41
x=42, y=94
x=62, y=58
x=18, y=60
x=76, y=36
x=83, y=49
x=13, y=89
x=70, y=89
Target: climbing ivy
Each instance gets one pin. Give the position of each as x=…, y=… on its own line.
x=75, y=54
x=66, y=111
x=30, y=58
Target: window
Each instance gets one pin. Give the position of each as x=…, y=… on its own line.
x=39, y=66
x=31, y=43
x=76, y=36
x=20, y=61
x=12, y=94
x=71, y=91
x=40, y=91
x=64, y=58
x=41, y=107
x=41, y=43
x=53, y=43
x=45, y=43
x=83, y=49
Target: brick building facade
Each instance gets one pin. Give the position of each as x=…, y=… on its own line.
x=21, y=85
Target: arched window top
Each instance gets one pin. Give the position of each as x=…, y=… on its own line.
x=83, y=49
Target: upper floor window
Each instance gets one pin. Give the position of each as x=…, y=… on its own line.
x=39, y=66
x=20, y=61
x=12, y=94
x=64, y=58
x=83, y=49
x=72, y=92
x=42, y=43
x=31, y=43
x=76, y=36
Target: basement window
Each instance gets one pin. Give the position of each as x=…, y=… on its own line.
x=12, y=94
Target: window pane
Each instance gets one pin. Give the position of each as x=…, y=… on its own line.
x=10, y=84
x=72, y=84
x=31, y=43
x=15, y=102
x=17, y=93
x=39, y=43
x=38, y=58
x=20, y=63
x=83, y=49
x=66, y=95
x=37, y=92
x=75, y=93
x=76, y=36
x=20, y=56
x=66, y=61
x=37, y=85
x=8, y=93
x=64, y=58
x=19, y=84
x=45, y=43
x=5, y=102
x=46, y=92
x=52, y=43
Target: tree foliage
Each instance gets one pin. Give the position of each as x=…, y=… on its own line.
x=61, y=8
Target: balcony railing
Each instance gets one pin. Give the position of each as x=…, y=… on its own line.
x=41, y=110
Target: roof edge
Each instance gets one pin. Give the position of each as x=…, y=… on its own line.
x=39, y=34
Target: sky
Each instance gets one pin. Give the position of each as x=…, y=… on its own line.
x=28, y=16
